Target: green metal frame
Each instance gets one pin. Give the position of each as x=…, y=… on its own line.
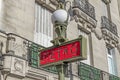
x=113, y=77
x=51, y=69
x=34, y=51
x=34, y=55
x=83, y=51
x=87, y=72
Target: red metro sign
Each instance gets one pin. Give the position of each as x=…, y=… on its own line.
x=70, y=51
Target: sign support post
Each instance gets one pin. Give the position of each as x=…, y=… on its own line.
x=61, y=68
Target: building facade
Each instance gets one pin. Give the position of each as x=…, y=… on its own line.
x=26, y=28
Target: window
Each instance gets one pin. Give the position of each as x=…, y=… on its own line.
x=119, y=6
x=43, y=33
x=88, y=49
x=104, y=9
x=111, y=61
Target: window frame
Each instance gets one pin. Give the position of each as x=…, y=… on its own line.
x=111, y=56
x=42, y=27
x=87, y=33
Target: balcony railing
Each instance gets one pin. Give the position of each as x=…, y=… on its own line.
x=25, y=49
x=112, y=77
x=87, y=72
x=28, y=50
x=106, y=23
x=86, y=7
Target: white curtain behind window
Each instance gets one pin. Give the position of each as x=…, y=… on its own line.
x=104, y=9
x=112, y=61
x=43, y=26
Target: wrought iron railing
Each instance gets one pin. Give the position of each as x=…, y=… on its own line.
x=87, y=72
x=30, y=52
x=51, y=69
x=109, y=25
x=112, y=77
x=86, y=7
x=34, y=51
x=25, y=49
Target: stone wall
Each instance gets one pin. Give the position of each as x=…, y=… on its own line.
x=17, y=16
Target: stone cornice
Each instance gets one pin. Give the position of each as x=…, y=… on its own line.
x=47, y=4
x=106, y=1
x=110, y=38
x=86, y=22
x=36, y=75
x=40, y=74
x=81, y=17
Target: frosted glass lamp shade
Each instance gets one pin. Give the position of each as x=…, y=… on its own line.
x=59, y=16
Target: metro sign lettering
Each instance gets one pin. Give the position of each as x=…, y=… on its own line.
x=68, y=52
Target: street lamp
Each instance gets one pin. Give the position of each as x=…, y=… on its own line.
x=60, y=21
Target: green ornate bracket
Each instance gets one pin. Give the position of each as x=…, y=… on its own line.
x=60, y=29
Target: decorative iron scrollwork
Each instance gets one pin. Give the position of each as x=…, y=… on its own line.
x=109, y=25
x=86, y=7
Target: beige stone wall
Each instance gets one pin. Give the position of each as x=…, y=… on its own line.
x=99, y=46
x=17, y=16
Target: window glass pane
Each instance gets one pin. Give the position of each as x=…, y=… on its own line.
x=112, y=61
x=43, y=26
x=110, y=65
x=104, y=9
